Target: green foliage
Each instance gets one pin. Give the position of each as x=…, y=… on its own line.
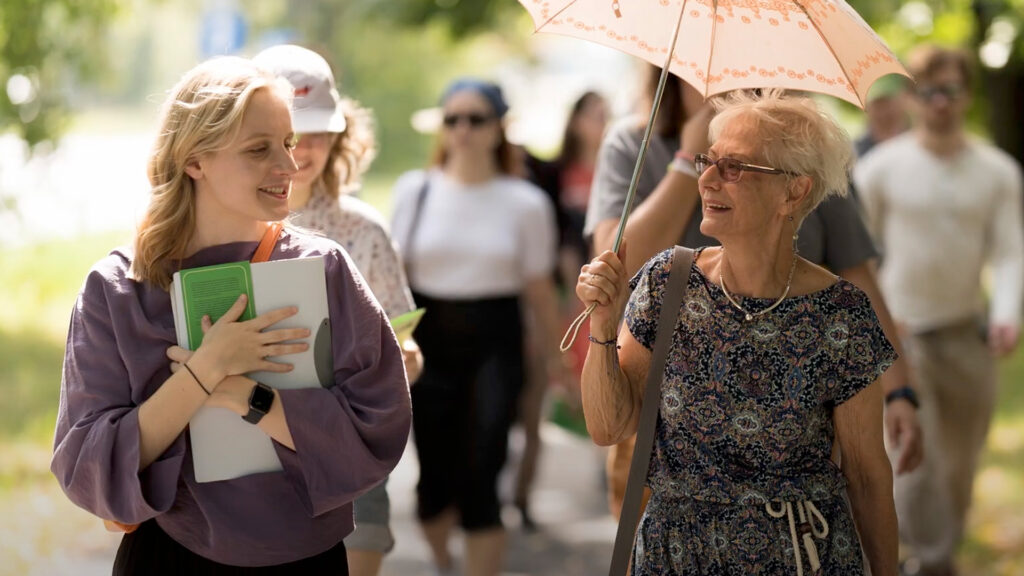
x=461, y=17
x=53, y=45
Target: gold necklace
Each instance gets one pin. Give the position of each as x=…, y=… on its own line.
x=748, y=316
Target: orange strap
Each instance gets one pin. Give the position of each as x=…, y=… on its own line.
x=267, y=243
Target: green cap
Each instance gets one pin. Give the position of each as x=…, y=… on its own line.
x=886, y=86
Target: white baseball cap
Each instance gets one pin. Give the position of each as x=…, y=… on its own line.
x=317, y=105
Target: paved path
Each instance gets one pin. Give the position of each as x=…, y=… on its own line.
x=575, y=531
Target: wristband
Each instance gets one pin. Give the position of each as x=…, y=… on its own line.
x=906, y=393
x=609, y=343
x=683, y=163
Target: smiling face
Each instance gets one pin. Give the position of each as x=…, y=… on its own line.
x=250, y=178
x=311, y=154
x=752, y=206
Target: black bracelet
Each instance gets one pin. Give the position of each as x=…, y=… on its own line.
x=196, y=378
x=612, y=342
x=906, y=393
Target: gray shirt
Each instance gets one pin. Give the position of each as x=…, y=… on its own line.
x=833, y=235
x=347, y=437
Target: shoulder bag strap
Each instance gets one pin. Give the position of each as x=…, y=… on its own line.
x=682, y=259
x=267, y=243
x=414, y=224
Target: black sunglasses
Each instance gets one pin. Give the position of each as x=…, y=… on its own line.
x=950, y=92
x=474, y=119
x=731, y=169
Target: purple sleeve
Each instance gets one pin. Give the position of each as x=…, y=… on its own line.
x=350, y=436
x=96, y=444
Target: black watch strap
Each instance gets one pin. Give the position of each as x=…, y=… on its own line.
x=907, y=393
x=260, y=400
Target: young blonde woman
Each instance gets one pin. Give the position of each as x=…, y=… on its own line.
x=221, y=173
x=335, y=147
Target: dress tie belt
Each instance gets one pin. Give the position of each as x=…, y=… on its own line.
x=808, y=513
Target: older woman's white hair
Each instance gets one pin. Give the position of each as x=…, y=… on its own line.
x=795, y=135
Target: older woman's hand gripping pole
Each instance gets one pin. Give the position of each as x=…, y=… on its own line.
x=612, y=381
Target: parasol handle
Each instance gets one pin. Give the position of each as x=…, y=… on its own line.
x=574, y=328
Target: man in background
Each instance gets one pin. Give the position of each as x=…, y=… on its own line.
x=944, y=205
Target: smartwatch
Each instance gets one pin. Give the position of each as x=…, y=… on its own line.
x=907, y=393
x=260, y=400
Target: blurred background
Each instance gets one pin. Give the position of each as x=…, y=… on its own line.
x=80, y=85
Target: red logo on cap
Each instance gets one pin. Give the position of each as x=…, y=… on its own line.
x=302, y=91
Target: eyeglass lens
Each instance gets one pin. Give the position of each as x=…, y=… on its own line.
x=474, y=120
x=948, y=91
x=728, y=168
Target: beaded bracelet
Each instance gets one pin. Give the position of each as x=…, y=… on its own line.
x=612, y=342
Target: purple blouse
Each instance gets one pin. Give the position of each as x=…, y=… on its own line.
x=347, y=437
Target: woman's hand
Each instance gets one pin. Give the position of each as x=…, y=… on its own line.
x=603, y=282
x=231, y=348
x=413, y=359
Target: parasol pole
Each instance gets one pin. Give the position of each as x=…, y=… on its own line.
x=574, y=328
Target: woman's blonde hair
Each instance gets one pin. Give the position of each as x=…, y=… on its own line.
x=795, y=135
x=202, y=114
x=352, y=152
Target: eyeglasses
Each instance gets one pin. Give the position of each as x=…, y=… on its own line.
x=951, y=92
x=473, y=119
x=731, y=169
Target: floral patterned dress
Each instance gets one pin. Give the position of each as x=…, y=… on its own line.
x=359, y=229
x=744, y=435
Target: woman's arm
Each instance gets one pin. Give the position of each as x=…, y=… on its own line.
x=661, y=219
x=612, y=387
x=612, y=379
x=229, y=348
x=542, y=304
x=858, y=425
x=900, y=416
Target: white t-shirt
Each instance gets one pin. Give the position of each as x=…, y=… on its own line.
x=940, y=221
x=474, y=241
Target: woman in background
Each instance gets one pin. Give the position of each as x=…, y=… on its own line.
x=566, y=180
x=479, y=243
x=334, y=149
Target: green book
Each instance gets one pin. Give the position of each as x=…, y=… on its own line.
x=405, y=324
x=210, y=290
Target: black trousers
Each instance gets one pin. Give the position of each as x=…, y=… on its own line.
x=149, y=551
x=465, y=403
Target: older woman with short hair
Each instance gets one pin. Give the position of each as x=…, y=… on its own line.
x=772, y=359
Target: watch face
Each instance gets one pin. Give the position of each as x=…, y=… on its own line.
x=262, y=398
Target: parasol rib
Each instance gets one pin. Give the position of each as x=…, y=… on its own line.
x=711, y=49
x=555, y=15
x=830, y=50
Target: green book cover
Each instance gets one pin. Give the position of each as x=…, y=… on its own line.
x=405, y=324
x=211, y=290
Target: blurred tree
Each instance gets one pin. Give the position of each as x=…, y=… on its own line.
x=461, y=17
x=387, y=63
x=46, y=46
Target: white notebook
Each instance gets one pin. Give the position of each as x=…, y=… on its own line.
x=223, y=445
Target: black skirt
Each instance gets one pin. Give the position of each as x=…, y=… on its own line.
x=149, y=551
